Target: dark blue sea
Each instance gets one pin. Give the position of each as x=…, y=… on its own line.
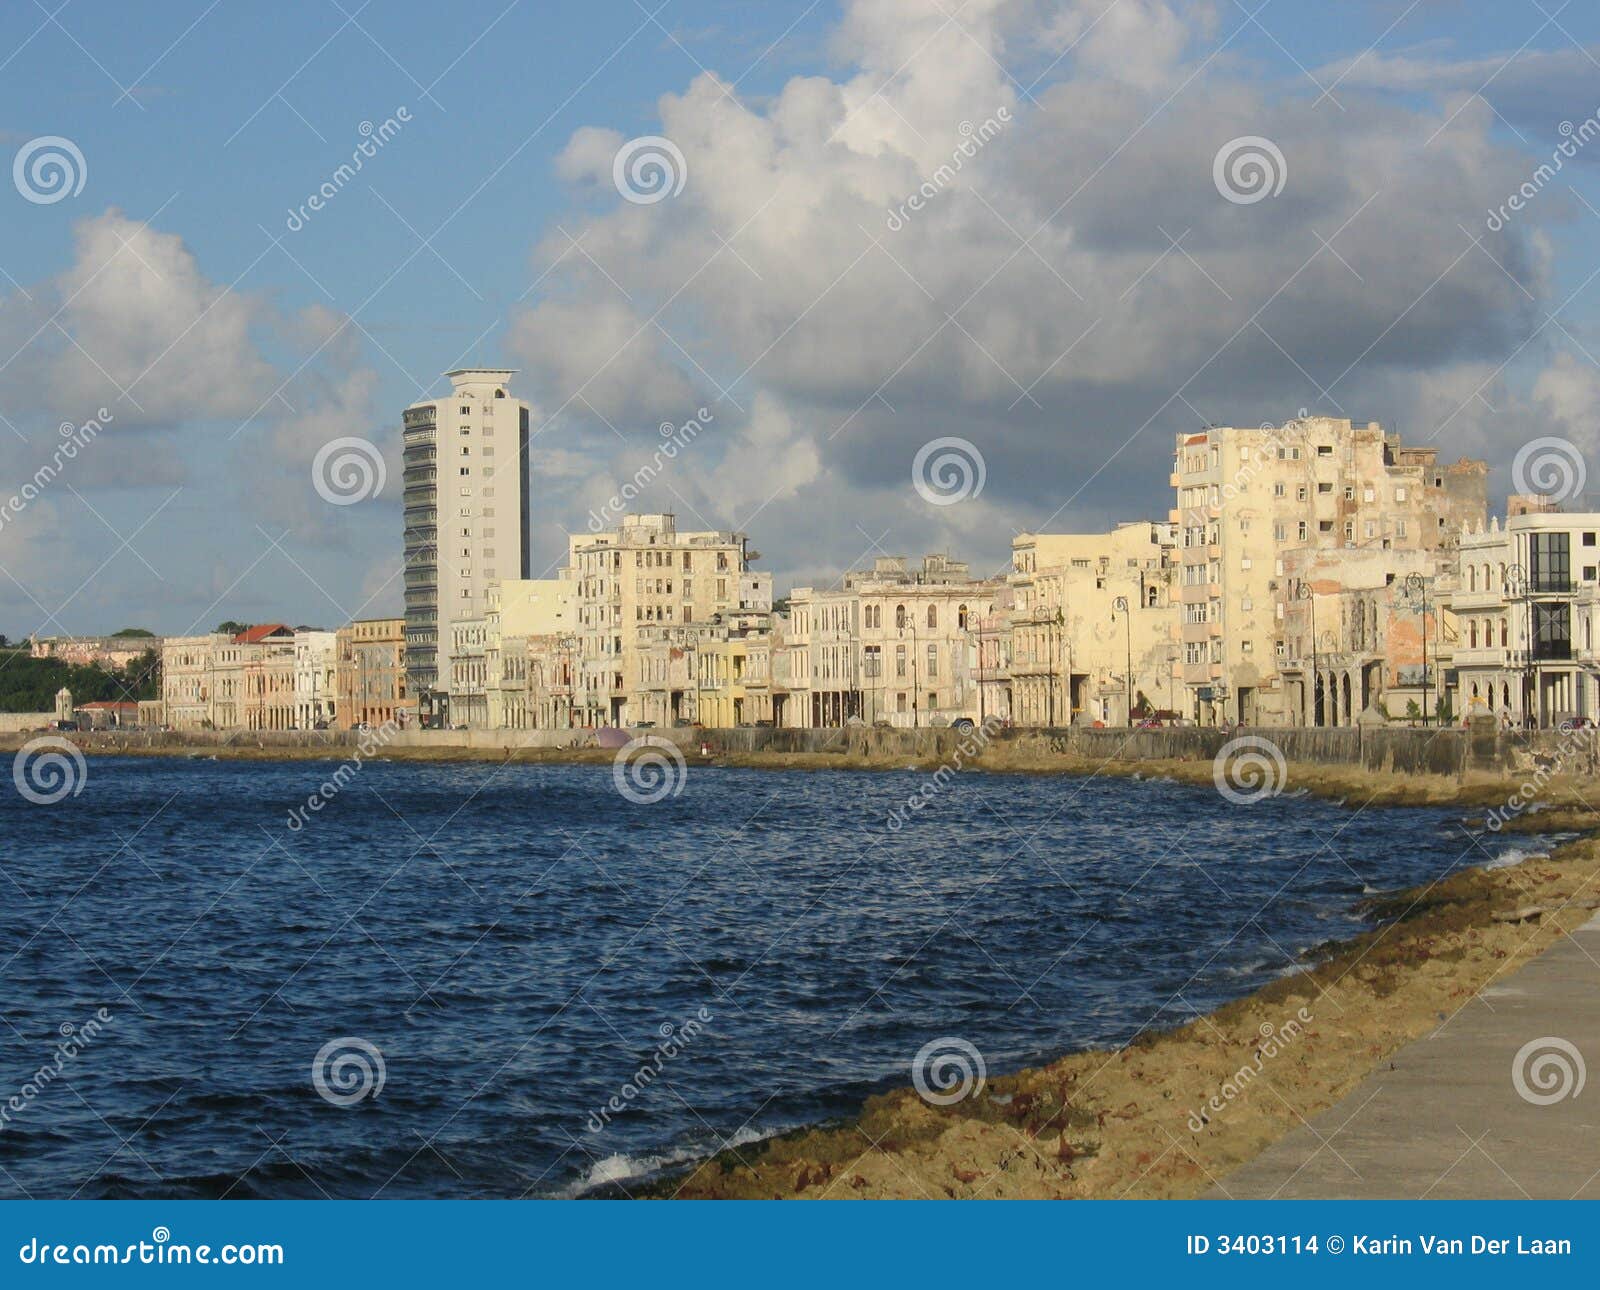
x=483, y=957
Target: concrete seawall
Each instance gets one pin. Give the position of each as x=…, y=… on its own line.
x=1401, y=751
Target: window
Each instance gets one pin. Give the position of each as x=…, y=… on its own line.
x=1588, y=539
x=1399, y=494
x=1552, y=625
x=1324, y=488
x=1280, y=532
x=1324, y=450
x=1278, y=490
x=1303, y=531
x=899, y=660
x=1551, y=559
x=1300, y=493
x=900, y=617
x=933, y=661
x=933, y=616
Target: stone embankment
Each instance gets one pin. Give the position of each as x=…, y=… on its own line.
x=1450, y=751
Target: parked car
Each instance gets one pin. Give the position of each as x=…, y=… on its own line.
x=965, y=725
x=644, y=725
x=65, y=725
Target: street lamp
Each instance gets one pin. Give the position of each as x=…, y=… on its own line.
x=1417, y=589
x=1120, y=606
x=1305, y=593
x=1519, y=588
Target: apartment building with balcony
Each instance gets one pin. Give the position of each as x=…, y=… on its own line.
x=370, y=674
x=648, y=573
x=891, y=644
x=1247, y=495
x=466, y=501
x=1086, y=608
x=1527, y=609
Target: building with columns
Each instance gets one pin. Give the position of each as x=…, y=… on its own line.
x=1527, y=606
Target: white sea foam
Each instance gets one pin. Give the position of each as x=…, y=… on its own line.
x=621, y=1167
x=1515, y=856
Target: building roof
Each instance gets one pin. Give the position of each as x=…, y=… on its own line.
x=261, y=632
x=109, y=705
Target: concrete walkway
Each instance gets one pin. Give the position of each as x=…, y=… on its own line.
x=1448, y=1121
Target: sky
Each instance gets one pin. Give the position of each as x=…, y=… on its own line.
x=1040, y=237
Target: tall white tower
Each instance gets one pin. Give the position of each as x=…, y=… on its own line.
x=466, y=510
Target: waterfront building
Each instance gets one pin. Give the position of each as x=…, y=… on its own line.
x=258, y=670
x=1245, y=495
x=466, y=514
x=1365, y=631
x=1527, y=606
x=188, y=680
x=646, y=572
x=316, y=689
x=889, y=645
x=371, y=680
x=524, y=616
x=1087, y=608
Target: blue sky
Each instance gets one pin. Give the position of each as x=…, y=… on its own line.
x=487, y=230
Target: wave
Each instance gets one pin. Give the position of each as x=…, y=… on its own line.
x=620, y=1167
x=1515, y=856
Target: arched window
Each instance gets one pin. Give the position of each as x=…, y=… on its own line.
x=900, y=616
x=933, y=616
x=961, y=618
x=1472, y=577
x=1472, y=631
x=1503, y=633
x=1150, y=597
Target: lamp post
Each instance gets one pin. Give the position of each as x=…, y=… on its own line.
x=1417, y=589
x=1305, y=593
x=1120, y=606
x=1518, y=588
x=916, y=714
